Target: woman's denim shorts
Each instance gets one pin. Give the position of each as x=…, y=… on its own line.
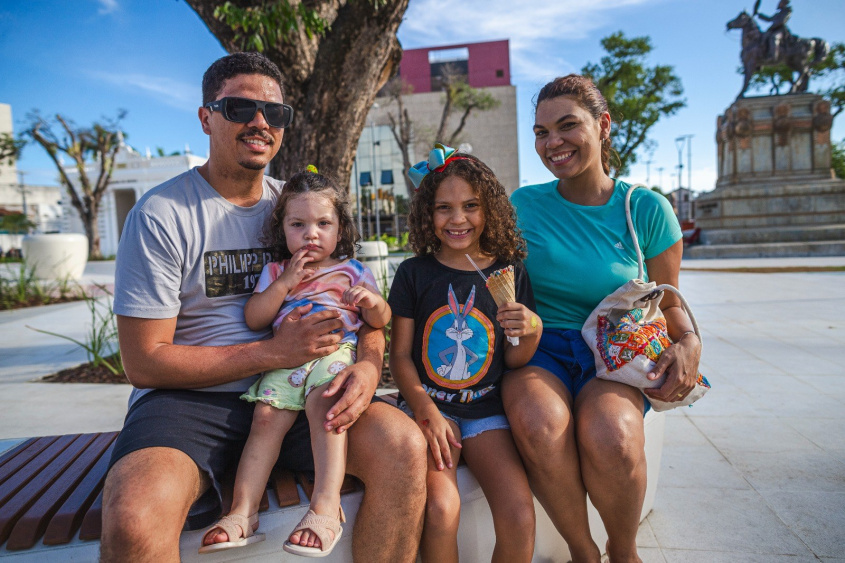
x=469, y=427
x=564, y=353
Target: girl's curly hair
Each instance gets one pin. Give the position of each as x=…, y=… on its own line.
x=501, y=237
x=311, y=182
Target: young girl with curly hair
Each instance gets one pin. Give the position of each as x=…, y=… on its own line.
x=311, y=237
x=448, y=349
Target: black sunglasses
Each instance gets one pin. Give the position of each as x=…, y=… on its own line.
x=242, y=110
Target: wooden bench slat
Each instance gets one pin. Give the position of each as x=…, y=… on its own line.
x=68, y=518
x=306, y=483
x=284, y=485
x=33, y=467
x=32, y=524
x=10, y=454
x=92, y=523
x=19, y=458
x=28, y=493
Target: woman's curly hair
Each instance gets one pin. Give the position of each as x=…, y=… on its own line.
x=311, y=182
x=501, y=237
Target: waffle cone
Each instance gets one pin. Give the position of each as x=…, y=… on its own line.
x=501, y=287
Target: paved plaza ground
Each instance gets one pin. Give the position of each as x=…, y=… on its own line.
x=753, y=473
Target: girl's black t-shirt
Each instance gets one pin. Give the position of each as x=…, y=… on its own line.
x=458, y=344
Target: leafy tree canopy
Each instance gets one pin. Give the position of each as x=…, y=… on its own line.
x=637, y=94
x=837, y=158
x=10, y=148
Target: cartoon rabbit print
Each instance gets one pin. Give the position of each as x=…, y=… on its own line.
x=462, y=357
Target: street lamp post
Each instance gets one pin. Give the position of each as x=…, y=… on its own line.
x=679, y=142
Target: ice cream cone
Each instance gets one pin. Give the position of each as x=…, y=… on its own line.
x=501, y=286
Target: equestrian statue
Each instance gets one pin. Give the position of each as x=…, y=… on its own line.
x=776, y=46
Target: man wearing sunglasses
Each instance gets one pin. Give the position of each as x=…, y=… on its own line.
x=189, y=256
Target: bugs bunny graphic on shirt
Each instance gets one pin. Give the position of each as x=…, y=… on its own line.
x=457, y=368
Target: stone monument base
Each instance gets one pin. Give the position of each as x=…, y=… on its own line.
x=776, y=194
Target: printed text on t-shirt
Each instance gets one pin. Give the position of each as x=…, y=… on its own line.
x=233, y=272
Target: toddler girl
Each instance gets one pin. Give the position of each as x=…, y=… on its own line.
x=312, y=234
x=448, y=349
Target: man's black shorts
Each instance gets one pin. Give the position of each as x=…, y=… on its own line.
x=211, y=428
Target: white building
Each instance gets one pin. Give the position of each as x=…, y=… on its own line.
x=42, y=203
x=134, y=175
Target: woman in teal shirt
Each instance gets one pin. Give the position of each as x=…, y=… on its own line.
x=578, y=434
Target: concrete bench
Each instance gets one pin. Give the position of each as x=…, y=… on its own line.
x=51, y=500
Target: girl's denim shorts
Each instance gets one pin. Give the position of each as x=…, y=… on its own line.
x=469, y=427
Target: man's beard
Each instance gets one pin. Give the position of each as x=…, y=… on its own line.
x=253, y=165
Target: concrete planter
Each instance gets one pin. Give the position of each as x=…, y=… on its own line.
x=56, y=256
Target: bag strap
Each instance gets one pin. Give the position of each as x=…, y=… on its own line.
x=641, y=267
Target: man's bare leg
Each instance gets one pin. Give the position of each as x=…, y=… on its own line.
x=146, y=499
x=388, y=453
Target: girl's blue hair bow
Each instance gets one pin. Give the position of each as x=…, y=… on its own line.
x=438, y=158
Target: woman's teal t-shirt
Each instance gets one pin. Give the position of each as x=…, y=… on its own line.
x=578, y=255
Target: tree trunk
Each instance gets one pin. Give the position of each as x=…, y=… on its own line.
x=330, y=81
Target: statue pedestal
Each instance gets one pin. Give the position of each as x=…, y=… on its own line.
x=776, y=194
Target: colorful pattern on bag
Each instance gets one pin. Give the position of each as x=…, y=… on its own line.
x=621, y=343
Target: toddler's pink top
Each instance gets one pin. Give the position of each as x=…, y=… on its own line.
x=324, y=290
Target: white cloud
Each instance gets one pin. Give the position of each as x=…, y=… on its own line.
x=107, y=6
x=535, y=28
x=175, y=93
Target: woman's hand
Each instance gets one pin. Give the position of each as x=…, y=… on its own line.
x=518, y=320
x=679, y=363
x=439, y=435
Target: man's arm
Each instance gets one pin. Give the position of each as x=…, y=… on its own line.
x=151, y=360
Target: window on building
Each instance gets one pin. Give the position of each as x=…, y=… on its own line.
x=443, y=62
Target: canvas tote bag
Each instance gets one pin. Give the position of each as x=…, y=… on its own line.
x=627, y=331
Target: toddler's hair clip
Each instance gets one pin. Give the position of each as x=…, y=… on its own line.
x=311, y=168
x=438, y=158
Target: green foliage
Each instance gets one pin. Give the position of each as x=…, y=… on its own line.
x=830, y=76
x=100, y=343
x=23, y=289
x=394, y=244
x=827, y=78
x=778, y=78
x=15, y=223
x=269, y=24
x=637, y=94
x=837, y=158
x=10, y=148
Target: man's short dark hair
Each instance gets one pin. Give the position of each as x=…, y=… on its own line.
x=232, y=65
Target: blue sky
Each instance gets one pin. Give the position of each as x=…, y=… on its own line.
x=87, y=58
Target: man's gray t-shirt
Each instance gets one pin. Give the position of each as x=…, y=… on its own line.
x=187, y=252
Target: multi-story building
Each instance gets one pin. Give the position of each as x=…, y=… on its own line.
x=490, y=135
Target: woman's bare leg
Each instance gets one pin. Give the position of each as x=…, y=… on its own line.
x=268, y=430
x=539, y=409
x=609, y=421
x=495, y=463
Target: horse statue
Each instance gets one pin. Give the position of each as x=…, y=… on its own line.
x=796, y=53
